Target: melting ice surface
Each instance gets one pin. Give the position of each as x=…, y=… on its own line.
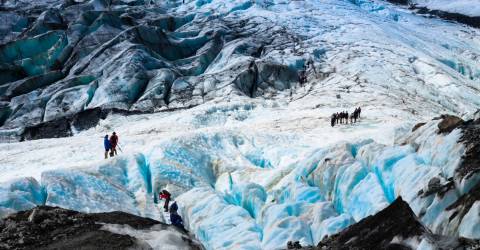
x=256, y=173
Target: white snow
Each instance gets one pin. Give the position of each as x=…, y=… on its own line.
x=470, y=226
x=465, y=7
x=155, y=237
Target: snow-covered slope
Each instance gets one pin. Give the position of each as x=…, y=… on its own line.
x=465, y=7
x=247, y=152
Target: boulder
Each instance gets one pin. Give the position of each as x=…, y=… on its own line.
x=449, y=123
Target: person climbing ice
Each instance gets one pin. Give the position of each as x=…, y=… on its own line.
x=175, y=218
x=107, y=145
x=113, y=144
x=165, y=195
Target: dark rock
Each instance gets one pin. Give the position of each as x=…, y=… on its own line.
x=471, y=139
x=435, y=187
x=55, y=228
x=401, y=2
x=418, y=125
x=51, y=129
x=449, y=123
x=294, y=245
x=118, y=217
x=462, y=205
x=97, y=239
x=378, y=231
x=88, y=118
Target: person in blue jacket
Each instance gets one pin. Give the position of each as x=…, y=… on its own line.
x=107, y=145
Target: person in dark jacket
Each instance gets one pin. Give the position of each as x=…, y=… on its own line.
x=107, y=145
x=165, y=195
x=113, y=143
x=174, y=207
x=175, y=218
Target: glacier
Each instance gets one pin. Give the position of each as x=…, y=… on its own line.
x=206, y=100
x=258, y=191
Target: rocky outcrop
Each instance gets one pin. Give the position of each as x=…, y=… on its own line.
x=471, y=139
x=418, y=125
x=390, y=228
x=56, y=228
x=449, y=123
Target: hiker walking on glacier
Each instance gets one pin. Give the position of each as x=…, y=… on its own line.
x=165, y=195
x=113, y=144
x=175, y=218
x=107, y=145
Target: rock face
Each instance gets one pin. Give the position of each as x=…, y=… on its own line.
x=56, y=228
x=391, y=228
x=449, y=123
x=471, y=139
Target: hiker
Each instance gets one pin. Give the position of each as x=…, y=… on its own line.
x=332, y=120
x=359, y=112
x=175, y=218
x=107, y=145
x=301, y=77
x=355, y=115
x=165, y=195
x=346, y=117
x=113, y=144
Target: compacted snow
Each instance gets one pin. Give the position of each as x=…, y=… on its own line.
x=465, y=7
x=255, y=173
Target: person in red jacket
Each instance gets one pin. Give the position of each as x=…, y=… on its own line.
x=165, y=195
x=113, y=144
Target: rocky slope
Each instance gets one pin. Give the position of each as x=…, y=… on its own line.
x=395, y=227
x=47, y=227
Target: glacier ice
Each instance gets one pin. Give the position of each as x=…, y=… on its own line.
x=247, y=173
x=234, y=189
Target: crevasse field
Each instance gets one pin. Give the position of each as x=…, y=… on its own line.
x=257, y=172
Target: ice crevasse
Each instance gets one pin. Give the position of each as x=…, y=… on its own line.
x=250, y=191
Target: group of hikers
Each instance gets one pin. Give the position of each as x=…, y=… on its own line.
x=110, y=145
x=175, y=218
x=343, y=117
